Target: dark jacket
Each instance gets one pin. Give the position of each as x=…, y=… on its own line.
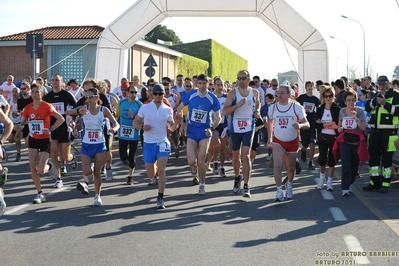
x=334, y=113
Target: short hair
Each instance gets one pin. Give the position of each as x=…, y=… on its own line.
x=344, y=78
x=319, y=82
x=166, y=79
x=270, y=96
x=202, y=77
x=286, y=87
x=395, y=82
x=308, y=82
x=340, y=84
x=251, y=83
x=350, y=92
x=92, y=81
x=195, y=77
x=256, y=77
x=73, y=80
x=27, y=84
x=179, y=76
x=357, y=81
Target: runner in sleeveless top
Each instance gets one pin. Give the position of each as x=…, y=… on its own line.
x=199, y=129
x=154, y=118
x=219, y=138
x=285, y=119
x=15, y=117
x=60, y=138
x=93, y=140
x=8, y=126
x=37, y=116
x=128, y=135
x=243, y=105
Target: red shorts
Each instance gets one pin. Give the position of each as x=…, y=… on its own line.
x=288, y=146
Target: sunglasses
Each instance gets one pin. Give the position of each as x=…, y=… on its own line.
x=188, y=86
x=91, y=96
x=133, y=92
x=212, y=89
x=124, y=89
x=157, y=94
x=328, y=96
x=241, y=78
x=274, y=85
x=22, y=88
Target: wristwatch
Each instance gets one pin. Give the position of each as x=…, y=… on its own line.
x=51, y=129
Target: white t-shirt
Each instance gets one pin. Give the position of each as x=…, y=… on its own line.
x=78, y=93
x=7, y=89
x=118, y=91
x=271, y=91
x=157, y=118
x=261, y=96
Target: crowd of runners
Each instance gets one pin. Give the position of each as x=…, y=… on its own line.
x=214, y=119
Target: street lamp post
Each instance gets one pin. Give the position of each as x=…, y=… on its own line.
x=347, y=55
x=364, y=44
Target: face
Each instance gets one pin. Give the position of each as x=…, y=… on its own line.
x=91, y=98
x=211, y=87
x=157, y=96
x=219, y=86
x=283, y=95
x=123, y=80
x=124, y=92
x=36, y=94
x=268, y=100
x=242, y=79
x=10, y=79
x=366, y=82
x=56, y=82
x=274, y=84
x=167, y=90
x=24, y=90
x=179, y=81
x=15, y=93
x=133, y=93
x=257, y=82
x=328, y=96
x=309, y=88
x=350, y=101
x=136, y=80
x=202, y=85
x=188, y=85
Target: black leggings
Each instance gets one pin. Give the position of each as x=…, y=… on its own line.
x=123, y=144
x=326, y=143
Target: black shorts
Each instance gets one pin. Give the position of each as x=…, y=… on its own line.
x=255, y=141
x=25, y=131
x=43, y=145
x=308, y=135
x=61, y=134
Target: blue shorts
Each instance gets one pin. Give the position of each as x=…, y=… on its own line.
x=197, y=133
x=241, y=138
x=91, y=150
x=152, y=151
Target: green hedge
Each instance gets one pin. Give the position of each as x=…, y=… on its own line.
x=222, y=61
x=188, y=65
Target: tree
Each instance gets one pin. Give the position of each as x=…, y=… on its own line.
x=162, y=33
x=396, y=73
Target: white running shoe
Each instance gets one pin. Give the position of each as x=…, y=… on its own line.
x=40, y=198
x=330, y=186
x=351, y=187
x=58, y=183
x=109, y=175
x=322, y=180
x=52, y=171
x=97, y=201
x=201, y=190
x=2, y=202
x=279, y=195
x=288, y=190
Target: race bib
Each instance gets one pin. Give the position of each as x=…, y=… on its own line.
x=36, y=126
x=164, y=146
x=59, y=107
x=283, y=122
x=309, y=107
x=127, y=131
x=94, y=135
x=348, y=122
x=242, y=124
x=199, y=116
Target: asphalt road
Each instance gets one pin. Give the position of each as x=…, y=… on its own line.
x=220, y=228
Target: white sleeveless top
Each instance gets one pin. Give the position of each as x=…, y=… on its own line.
x=242, y=119
x=284, y=117
x=13, y=109
x=93, y=127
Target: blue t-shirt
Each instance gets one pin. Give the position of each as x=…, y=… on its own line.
x=200, y=108
x=126, y=130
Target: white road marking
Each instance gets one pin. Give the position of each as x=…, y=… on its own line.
x=337, y=214
x=353, y=245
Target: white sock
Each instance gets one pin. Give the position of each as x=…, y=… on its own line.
x=330, y=179
x=322, y=175
x=280, y=188
x=202, y=184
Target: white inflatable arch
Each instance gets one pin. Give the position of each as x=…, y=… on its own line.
x=144, y=15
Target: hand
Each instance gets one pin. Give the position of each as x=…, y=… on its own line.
x=270, y=143
x=178, y=118
x=354, y=113
x=381, y=100
x=208, y=132
x=340, y=129
x=112, y=130
x=296, y=126
x=242, y=101
x=83, y=111
x=46, y=131
x=147, y=127
x=257, y=114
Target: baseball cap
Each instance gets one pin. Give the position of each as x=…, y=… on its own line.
x=158, y=88
x=125, y=85
x=382, y=80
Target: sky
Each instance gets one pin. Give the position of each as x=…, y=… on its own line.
x=251, y=38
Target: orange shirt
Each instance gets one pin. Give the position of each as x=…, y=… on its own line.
x=38, y=119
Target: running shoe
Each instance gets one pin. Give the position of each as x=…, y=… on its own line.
x=246, y=192
x=298, y=167
x=303, y=155
x=222, y=172
x=196, y=180
x=288, y=190
x=109, y=175
x=345, y=193
x=103, y=171
x=18, y=158
x=237, y=185
x=52, y=171
x=311, y=167
x=129, y=180
x=160, y=204
x=63, y=170
x=83, y=187
x=3, y=204
x=351, y=187
x=201, y=190
x=208, y=167
x=330, y=186
x=215, y=168
x=58, y=183
x=3, y=176
x=97, y=201
x=40, y=198
x=153, y=181
x=279, y=195
x=74, y=162
x=5, y=156
x=320, y=185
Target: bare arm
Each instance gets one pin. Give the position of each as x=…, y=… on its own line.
x=111, y=118
x=228, y=108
